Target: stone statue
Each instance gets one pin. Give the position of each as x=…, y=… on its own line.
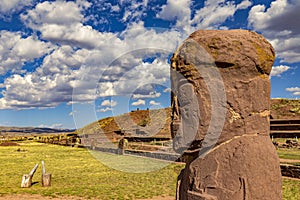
x=220, y=116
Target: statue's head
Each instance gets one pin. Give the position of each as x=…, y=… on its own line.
x=214, y=79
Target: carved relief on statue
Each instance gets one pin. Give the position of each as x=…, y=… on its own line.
x=185, y=113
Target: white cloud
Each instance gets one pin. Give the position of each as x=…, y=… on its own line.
x=211, y=16
x=33, y=91
x=50, y=84
x=294, y=90
x=107, y=105
x=278, y=70
x=11, y=6
x=145, y=96
x=115, y=8
x=260, y=18
x=54, y=126
x=134, y=75
x=278, y=24
x=58, y=12
x=110, y=103
x=215, y=12
x=153, y=103
x=176, y=10
x=244, y=4
x=62, y=22
x=134, y=10
x=16, y=50
x=167, y=90
x=139, y=102
x=105, y=109
x=70, y=74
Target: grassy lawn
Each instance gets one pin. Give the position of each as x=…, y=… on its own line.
x=291, y=189
x=76, y=172
x=293, y=154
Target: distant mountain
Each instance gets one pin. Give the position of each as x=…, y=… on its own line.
x=30, y=130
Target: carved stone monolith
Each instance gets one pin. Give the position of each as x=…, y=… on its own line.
x=220, y=116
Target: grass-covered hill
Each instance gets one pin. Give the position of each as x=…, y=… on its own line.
x=151, y=122
x=143, y=119
x=285, y=109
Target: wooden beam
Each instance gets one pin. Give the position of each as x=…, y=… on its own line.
x=27, y=178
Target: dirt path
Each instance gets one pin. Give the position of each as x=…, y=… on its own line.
x=35, y=197
x=295, y=179
x=289, y=161
x=39, y=197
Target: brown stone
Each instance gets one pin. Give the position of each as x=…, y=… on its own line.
x=220, y=108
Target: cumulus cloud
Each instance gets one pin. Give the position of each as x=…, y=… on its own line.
x=145, y=96
x=7, y=7
x=33, y=91
x=154, y=103
x=62, y=22
x=49, y=85
x=16, y=50
x=110, y=103
x=71, y=75
x=83, y=63
x=58, y=12
x=294, y=90
x=215, y=12
x=134, y=10
x=176, y=10
x=107, y=105
x=278, y=70
x=278, y=23
x=139, y=102
x=131, y=78
x=211, y=16
x=105, y=109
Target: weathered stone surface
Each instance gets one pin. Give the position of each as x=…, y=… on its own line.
x=220, y=106
x=244, y=168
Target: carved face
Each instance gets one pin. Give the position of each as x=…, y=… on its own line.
x=185, y=127
x=195, y=78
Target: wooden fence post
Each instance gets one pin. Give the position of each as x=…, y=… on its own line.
x=27, y=178
x=46, y=178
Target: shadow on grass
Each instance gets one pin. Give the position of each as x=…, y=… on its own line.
x=33, y=183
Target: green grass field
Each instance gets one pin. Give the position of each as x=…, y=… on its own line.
x=293, y=154
x=75, y=172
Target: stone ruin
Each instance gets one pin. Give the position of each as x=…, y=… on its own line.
x=220, y=117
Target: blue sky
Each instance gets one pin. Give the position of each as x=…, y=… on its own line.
x=64, y=64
